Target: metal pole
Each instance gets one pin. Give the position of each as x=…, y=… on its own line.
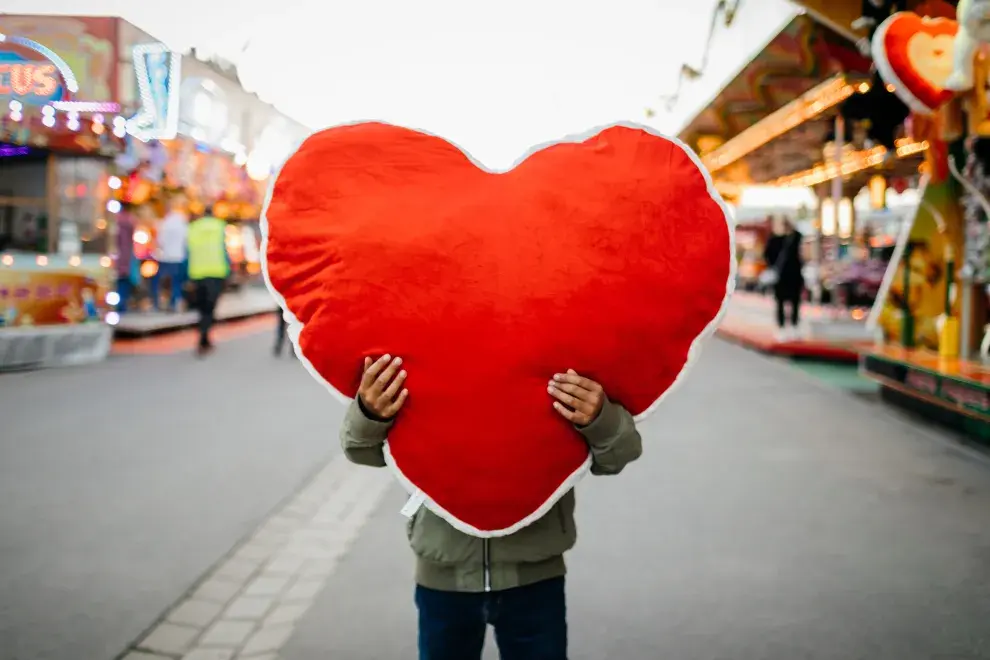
x=966, y=313
x=816, y=252
x=840, y=141
x=52, y=202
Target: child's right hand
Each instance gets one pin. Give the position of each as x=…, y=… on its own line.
x=381, y=390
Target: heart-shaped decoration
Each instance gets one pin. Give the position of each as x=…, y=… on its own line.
x=610, y=254
x=915, y=55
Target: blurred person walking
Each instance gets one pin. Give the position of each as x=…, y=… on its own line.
x=173, y=231
x=209, y=268
x=127, y=265
x=785, y=275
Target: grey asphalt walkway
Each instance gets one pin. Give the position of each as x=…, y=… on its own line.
x=770, y=518
x=121, y=483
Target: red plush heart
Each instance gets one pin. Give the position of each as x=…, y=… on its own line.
x=611, y=256
x=914, y=55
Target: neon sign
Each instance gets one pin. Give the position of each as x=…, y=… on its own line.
x=7, y=151
x=48, y=81
x=30, y=80
x=158, y=72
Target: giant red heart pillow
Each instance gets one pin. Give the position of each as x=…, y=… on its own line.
x=611, y=255
x=914, y=54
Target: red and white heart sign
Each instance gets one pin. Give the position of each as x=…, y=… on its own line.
x=914, y=54
x=612, y=256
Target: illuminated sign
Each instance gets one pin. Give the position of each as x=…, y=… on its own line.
x=30, y=79
x=158, y=72
x=43, y=81
x=8, y=150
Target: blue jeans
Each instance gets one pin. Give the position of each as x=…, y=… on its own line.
x=124, y=290
x=530, y=622
x=176, y=273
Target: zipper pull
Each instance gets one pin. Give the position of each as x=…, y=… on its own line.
x=412, y=505
x=487, y=558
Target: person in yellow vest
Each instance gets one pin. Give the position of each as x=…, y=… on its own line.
x=209, y=268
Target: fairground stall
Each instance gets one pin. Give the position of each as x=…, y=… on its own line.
x=59, y=132
x=931, y=316
x=152, y=177
x=104, y=129
x=905, y=117
x=219, y=154
x=809, y=112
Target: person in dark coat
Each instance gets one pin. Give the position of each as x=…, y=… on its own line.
x=783, y=255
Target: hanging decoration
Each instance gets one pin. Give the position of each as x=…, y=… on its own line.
x=976, y=181
x=724, y=9
x=973, y=17
x=913, y=55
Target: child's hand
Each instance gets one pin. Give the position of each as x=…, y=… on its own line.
x=579, y=400
x=381, y=390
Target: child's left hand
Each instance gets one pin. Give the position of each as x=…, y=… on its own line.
x=579, y=400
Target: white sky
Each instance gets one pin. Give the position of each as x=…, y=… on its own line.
x=494, y=78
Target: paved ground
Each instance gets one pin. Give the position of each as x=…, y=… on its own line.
x=121, y=483
x=772, y=517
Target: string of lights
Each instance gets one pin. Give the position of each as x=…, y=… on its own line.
x=851, y=163
x=73, y=121
x=811, y=104
x=725, y=9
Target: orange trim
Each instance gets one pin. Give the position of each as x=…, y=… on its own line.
x=185, y=340
x=764, y=341
x=965, y=371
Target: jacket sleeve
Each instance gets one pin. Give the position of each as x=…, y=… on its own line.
x=613, y=439
x=362, y=438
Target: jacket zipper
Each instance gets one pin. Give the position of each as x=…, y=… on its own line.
x=487, y=559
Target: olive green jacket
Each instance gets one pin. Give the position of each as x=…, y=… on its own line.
x=450, y=560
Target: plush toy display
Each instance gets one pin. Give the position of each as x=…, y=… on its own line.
x=973, y=17
x=611, y=255
x=914, y=55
